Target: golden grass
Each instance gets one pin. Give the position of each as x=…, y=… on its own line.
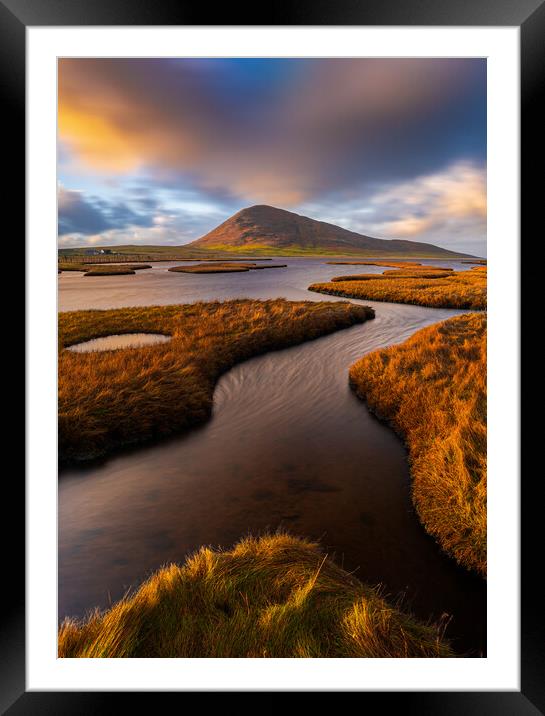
x=228, y=267
x=482, y=262
x=114, y=398
x=432, y=389
x=389, y=275
x=277, y=596
x=457, y=289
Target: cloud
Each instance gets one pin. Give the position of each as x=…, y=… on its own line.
x=87, y=216
x=167, y=230
x=446, y=208
x=92, y=220
x=272, y=131
x=431, y=203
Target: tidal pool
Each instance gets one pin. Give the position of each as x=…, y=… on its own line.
x=117, y=341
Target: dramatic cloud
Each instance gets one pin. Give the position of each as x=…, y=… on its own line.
x=79, y=214
x=434, y=207
x=109, y=223
x=327, y=123
x=439, y=208
x=288, y=132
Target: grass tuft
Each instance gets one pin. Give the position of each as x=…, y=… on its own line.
x=277, y=596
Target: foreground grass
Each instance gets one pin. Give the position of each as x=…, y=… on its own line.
x=432, y=389
x=456, y=289
x=114, y=398
x=277, y=596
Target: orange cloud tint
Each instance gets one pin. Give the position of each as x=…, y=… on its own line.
x=96, y=141
x=109, y=124
x=433, y=201
x=332, y=123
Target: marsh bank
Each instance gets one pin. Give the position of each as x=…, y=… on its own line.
x=289, y=445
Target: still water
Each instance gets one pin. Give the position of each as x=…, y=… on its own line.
x=115, y=342
x=158, y=286
x=288, y=446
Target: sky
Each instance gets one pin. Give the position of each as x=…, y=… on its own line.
x=160, y=151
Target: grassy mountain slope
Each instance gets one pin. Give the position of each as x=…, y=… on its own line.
x=265, y=228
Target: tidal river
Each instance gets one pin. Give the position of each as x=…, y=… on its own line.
x=288, y=446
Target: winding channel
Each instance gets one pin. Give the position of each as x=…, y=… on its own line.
x=289, y=446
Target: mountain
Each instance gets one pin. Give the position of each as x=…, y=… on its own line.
x=267, y=230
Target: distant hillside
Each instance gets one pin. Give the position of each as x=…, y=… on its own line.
x=266, y=230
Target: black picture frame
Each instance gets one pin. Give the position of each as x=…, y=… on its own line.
x=15, y=17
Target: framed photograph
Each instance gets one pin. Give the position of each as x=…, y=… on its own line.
x=268, y=367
